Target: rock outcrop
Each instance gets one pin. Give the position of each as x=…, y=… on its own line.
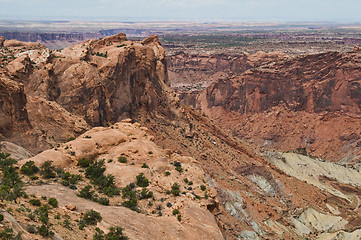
x=100, y=82
x=104, y=81
x=16, y=152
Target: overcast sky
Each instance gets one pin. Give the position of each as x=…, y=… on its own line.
x=201, y=10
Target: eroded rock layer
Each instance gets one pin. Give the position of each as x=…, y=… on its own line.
x=308, y=102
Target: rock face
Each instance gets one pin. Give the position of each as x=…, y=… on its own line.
x=292, y=103
x=13, y=114
x=96, y=81
x=103, y=80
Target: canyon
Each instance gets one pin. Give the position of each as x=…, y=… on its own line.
x=279, y=102
x=251, y=130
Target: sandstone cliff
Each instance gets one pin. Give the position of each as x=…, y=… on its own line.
x=98, y=81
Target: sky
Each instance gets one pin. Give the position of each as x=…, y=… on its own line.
x=180, y=10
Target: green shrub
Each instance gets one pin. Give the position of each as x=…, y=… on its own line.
x=43, y=214
x=86, y=193
x=179, y=217
x=115, y=233
x=70, y=179
x=175, y=189
x=34, y=177
x=31, y=216
x=44, y=231
x=91, y=217
x=179, y=169
x=66, y=224
x=131, y=195
x=175, y=211
x=84, y=163
x=81, y=225
x=145, y=194
x=11, y=186
x=5, y=161
x=145, y=165
x=131, y=204
x=95, y=170
x=206, y=195
x=29, y=168
x=142, y=181
x=35, y=202
x=104, y=181
x=1, y=217
x=8, y=234
x=53, y=202
x=177, y=164
x=122, y=159
x=47, y=170
x=203, y=188
x=106, y=185
x=111, y=191
x=70, y=139
x=167, y=173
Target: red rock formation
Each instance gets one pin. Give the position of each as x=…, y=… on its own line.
x=277, y=97
x=104, y=80
x=101, y=81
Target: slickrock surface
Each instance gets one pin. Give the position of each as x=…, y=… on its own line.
x=134, y=143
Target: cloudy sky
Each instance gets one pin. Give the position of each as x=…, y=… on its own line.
x=201, y=10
